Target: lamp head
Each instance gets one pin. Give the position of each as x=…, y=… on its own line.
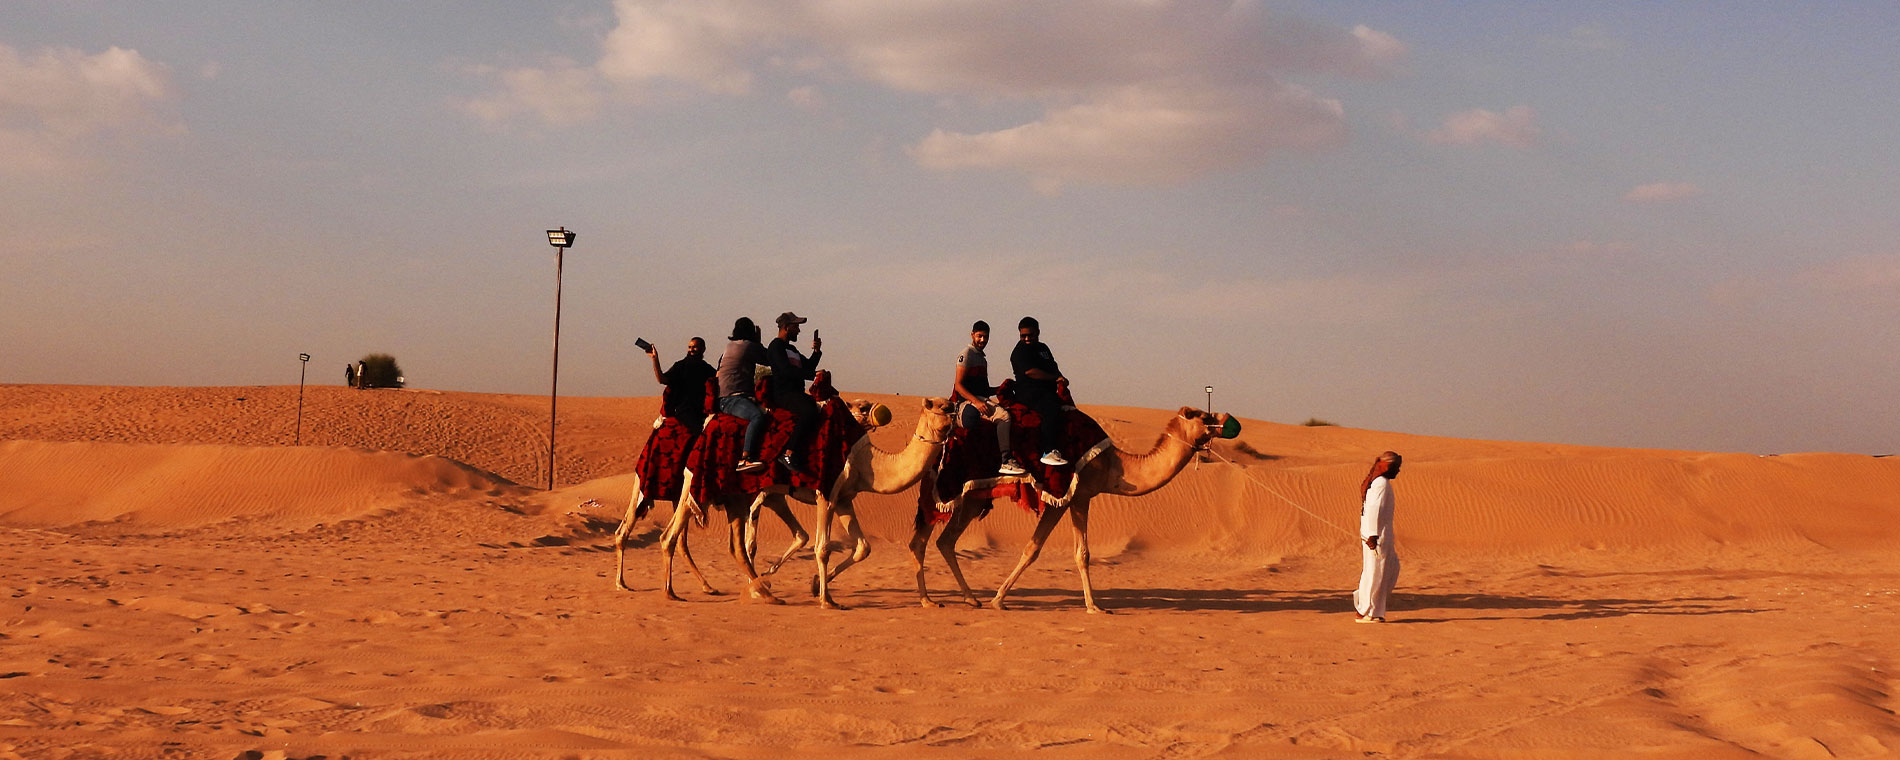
x=561, y=238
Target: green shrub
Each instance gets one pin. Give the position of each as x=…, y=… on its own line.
x=380, y=371
x=1317, y=422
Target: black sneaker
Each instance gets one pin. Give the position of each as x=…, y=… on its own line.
x=785, y=461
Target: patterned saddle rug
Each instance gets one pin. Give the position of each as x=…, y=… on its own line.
x=662, y=464
x=714, y=458
x=970, y=459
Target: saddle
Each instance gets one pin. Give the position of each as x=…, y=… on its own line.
x=970, y=459
x=714, y=457
x=662, y=463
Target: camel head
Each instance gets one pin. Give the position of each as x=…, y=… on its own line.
x=869, y=413
x=1196, y=427
x=935, y=423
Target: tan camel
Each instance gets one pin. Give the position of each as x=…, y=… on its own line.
x=674, y=538
x=869, y=469
x=1114, y=471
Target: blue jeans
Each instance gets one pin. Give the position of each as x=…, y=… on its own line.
x=748, y=410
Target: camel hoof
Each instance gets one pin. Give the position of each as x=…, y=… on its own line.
x=766, y=596
x=675, y=597
x=1100, y=611
x=831, y=605
x=620, y=585
x=999, y=606
x=930, y=604
x=974, y=604
x=710, y=591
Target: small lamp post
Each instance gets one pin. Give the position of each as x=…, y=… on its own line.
x=302, y=369
x=561, y=239
x=1210, y=399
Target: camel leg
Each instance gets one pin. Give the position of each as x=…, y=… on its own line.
x=686, y=550
x=947, y=546
x=625, y=531
x=751, y=540
x=1044, y=526
x=737, y=523
x=1079, y=517
x=822, y=552
x=860, y=546
x=669, y=542
x=919, y=541
x=800, y=539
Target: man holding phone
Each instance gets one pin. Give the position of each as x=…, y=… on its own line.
x=790, y=371
x=685, y=381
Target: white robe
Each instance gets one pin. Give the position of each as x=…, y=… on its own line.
x=1380, y=567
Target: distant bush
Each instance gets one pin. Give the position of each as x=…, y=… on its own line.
x=1317, y=422
x=380, y=371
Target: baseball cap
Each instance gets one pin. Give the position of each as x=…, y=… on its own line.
x=789, y=318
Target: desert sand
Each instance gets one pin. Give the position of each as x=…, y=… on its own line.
x=182, y=581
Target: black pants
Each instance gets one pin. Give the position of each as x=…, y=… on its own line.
x=1049, y=407
x=806, y=422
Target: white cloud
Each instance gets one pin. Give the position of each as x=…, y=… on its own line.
x=1662, y=192
x=560, y=94
x=58, y=107
x=1146, y=136
x=1133, y=91
x=703, y=42
x=1516, y=127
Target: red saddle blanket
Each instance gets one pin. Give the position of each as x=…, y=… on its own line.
x=662, y=464
x=970, y=456
x=714, y=459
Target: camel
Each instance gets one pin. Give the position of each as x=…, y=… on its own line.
x=674, y=539
x=1114, y=471
x=868, y=469
x=873, y=470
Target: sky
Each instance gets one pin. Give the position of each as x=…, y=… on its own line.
x=1656, y=225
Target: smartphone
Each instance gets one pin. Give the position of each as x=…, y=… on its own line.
x=642, y=344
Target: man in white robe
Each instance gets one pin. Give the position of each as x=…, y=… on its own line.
x=1379, y=557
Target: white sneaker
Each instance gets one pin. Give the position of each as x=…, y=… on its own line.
x=1054, y=458
x=1011, y=468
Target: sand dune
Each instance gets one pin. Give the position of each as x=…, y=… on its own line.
x=183, y=582
x=53, y=484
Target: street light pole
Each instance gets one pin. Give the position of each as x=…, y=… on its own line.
x=561, y=239
x=1210, y=399
x=302, y=370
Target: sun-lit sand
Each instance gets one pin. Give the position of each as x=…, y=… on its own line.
x=183, y=582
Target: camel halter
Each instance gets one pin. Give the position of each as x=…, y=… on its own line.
x=1169, y=432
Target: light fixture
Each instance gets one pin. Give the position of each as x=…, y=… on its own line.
x=561, y=239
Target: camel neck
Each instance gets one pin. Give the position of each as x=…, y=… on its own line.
x=894, y=472
x=1139, y=474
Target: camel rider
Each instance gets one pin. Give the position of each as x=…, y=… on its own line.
x=1036, y=378
x=975, y=396
x=737, y=381
x=685, y=382
x=790, y=371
